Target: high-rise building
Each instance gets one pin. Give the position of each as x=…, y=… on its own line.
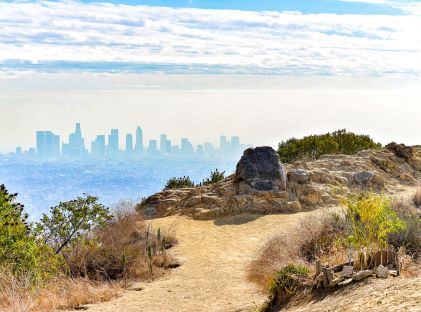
x=163, y=144
x=223, y=144
x=75, y=149
x=152, y=147
x=186, y=147
x=139, y=148
x=208, y=149
x=113, y=147
x=48, y=145
x=18, y=151
x=129, y=144
x=98, y=147
x=200, y=150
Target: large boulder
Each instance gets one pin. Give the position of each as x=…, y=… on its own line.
x=260, y=170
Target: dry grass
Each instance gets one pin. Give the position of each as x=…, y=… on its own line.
x=99, y=268
x=311, y=238
x=17, y=294
x=120, y=250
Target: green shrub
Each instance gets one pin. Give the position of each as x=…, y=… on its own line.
x=314, y=146
x=71, y=222
x=215, y=176
x=177, y=183
x=20, y=250
x=372, y=220
x=285, y=284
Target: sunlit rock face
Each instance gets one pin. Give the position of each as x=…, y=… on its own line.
x=263, y=185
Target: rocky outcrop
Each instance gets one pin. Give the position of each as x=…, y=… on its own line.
x=259, y=169
x=262, y=184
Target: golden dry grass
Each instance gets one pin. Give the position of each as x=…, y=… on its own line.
x=17, y=294
x=310, y=238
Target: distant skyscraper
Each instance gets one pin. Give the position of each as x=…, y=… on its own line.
x=208, y=148
x=200, y=150
x=48, y=145
x=223, y=144
x=129, y=143
x=75, y=149
x=139, y=141
x=153, y=147
x=18, y=151
x=235, y=143
x=113, y=147
x=163, y=144
x=98, y=147
x=186, y=147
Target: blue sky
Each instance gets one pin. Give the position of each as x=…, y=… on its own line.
x=314, y=37
x=307, y=6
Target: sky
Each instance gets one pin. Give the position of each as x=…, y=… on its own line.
x=264, y=70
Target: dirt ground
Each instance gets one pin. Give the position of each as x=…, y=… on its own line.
x=212, y=277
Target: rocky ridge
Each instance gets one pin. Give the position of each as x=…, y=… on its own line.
x=263, y=185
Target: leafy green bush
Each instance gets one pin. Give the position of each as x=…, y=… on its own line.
x=215, y=176
x=284, y=285
x=176, y=183
x=373, y=221
x=72, y=221
x=20, y=250
x=314, y=146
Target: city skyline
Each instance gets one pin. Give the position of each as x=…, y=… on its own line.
x=49, y=146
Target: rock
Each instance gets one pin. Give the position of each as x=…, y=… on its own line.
x=401, y=150
x=298, y=176
x=382, y=272
x=260, y=169
x=363, y=177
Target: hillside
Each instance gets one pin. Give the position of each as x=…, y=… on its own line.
x=306, y=185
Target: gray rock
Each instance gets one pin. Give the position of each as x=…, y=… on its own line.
x=260, y=169
x=298, y=175
x=363, y=177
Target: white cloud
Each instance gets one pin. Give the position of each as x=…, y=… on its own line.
x=225, y=40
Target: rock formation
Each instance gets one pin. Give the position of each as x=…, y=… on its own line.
x=261, y=186
x=260, y=169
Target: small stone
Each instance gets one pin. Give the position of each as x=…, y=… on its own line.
x=363, y=177
x=298, y=175
x=382, y=272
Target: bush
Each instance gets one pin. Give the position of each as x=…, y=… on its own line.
x=177, y=183
x=373, y=220
x=215, y=177
x=72, y=221
x=314, y=146
x=286, y=283
x=20, y=250
x=410, y=237
x=320, y=236
x=120, y=249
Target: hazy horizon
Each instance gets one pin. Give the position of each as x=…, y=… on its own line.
x=262, y=110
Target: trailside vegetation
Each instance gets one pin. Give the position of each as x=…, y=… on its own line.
x=80, y=246
x=215, y=177
x=314, y=146
x=177, y=183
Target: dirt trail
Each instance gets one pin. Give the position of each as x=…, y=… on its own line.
x=212, y=276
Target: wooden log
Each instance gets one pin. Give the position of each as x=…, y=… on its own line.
x=318, y=268
x=329, y=275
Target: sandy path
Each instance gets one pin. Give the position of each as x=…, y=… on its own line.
x=214, y=256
